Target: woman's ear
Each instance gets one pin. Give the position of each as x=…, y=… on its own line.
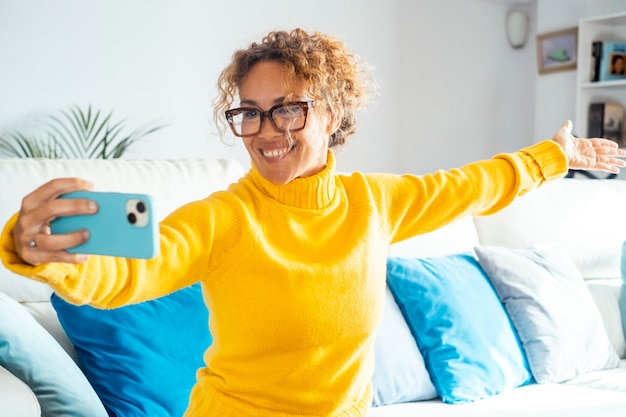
x=334, y=121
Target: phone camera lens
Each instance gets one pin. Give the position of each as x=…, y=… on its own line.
x=141, y=207
x=132, y=219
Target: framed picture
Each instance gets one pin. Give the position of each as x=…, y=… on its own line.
x=557, y=51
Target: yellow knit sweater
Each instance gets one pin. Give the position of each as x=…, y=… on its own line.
x=293, y=275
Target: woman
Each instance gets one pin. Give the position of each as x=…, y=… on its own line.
x=293, y=256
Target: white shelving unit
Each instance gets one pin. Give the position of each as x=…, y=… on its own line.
x=601, y=28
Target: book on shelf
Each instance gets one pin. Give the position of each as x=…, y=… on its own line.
x=606, y=120
x=608, y=61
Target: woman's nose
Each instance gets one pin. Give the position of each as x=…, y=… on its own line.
x=267, y=128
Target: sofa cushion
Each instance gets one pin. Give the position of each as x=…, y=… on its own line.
x=550, y=306
x=461, y=328
x=142, y=358
x=400, y=374
x=531, y=400
x=30, y=353
x=16, y=398
x=607, y=379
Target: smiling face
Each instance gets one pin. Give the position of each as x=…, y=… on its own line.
x=279, y=159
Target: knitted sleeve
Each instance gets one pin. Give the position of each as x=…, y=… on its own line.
x=186, y=242
x=412, y=205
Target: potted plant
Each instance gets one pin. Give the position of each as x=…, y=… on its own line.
x=76, y=134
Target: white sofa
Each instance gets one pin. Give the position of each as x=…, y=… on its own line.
x=582, y=216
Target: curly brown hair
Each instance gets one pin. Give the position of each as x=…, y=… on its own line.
x=332, y=75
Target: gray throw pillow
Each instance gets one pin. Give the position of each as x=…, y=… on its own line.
x=552, y=310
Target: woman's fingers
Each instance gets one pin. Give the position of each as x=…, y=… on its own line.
x=42, y=252
x=34, y=242
x=52, y=190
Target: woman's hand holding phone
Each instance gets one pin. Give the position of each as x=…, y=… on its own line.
x=124, y=225
x=84, y=222
x=32, y=236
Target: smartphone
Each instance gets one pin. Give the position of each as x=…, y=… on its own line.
x=124, y=225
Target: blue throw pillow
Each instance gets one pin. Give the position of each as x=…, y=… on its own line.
x=30, y=353
x=141, y=359
x=469, y=345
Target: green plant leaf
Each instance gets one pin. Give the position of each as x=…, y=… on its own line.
x=77, y=133
x=20, y=146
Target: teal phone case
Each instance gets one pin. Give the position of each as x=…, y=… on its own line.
x=124, y=225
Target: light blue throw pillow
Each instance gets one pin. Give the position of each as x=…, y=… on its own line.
x=141, y=359
x=469, y=345
x=552, y=309
x=400, y=374
x=30, y=353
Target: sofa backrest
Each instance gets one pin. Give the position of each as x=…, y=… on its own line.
x=171, y=182
x=586, y=217
x=457, y=237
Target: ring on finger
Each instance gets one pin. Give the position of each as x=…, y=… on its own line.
x=32, y=244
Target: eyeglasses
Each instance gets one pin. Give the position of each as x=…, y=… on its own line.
x=248, y=121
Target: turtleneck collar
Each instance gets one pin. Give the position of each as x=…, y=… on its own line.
x=312, y=192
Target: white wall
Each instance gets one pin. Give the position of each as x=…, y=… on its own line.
x=452, y=90
x=160, y=59
x=470, y=94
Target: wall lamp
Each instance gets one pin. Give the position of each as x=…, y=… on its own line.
x=517, y=27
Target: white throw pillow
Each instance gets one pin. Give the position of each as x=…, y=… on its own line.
x=552, y=310
x=400, y=374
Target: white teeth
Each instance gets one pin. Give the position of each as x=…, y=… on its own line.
x=274, y=153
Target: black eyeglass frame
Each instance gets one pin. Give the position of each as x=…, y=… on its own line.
x=304, y=105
